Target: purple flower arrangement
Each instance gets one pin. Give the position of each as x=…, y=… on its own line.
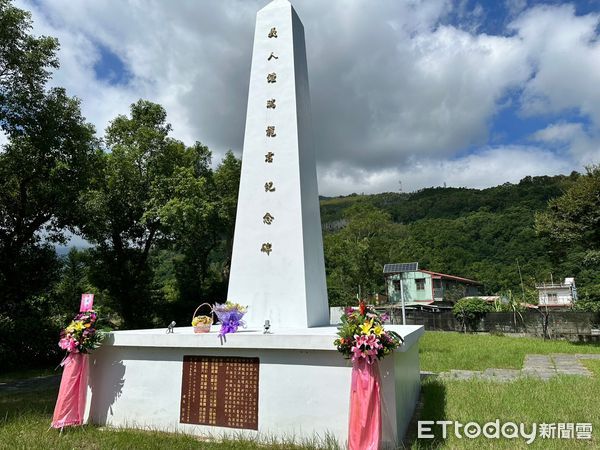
x=230, y=315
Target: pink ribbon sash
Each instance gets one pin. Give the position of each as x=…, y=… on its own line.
x=365, y=407
x=70, y=404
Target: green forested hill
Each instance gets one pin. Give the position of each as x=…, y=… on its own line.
x=450, y=203
x=474, y=233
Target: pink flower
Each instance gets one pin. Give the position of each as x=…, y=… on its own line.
x=69, y=344
x=365, y=347
x=64, y=343
x=356, y=353
x=73, y=346
x=373, y=342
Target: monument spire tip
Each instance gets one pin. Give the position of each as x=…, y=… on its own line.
x=275, y=2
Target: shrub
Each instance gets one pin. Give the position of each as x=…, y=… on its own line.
x=469, y=311
x=587, y=306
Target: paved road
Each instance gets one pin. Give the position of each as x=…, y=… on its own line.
x=30, y=384
x=538, y=366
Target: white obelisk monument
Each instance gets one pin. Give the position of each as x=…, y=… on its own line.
x=302, y=384
x=277, y=266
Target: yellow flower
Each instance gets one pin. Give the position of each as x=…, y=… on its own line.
x=378, y=330
x=77, y=326
x=201, y=320
x=365, y=328
x=71, y=328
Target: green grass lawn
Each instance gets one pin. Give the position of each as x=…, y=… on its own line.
x=25, y=419
x=441, y=351
x=562, y=399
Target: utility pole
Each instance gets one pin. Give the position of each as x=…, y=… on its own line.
x=402, y=300
x=521, y=277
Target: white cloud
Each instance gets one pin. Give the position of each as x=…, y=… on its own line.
x=581, y=145
x=395, y=94
x=515, y=6
x=405, y=88
x=559, y=132
x=491, y=167
x=565, y=51
x=179, y=55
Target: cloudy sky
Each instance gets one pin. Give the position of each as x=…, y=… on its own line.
x=405, y=94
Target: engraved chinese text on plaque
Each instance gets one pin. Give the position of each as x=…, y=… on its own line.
x=220, y=391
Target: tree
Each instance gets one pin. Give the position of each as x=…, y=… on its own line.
x=574, y=217
x=74, y=280
x=469, y=311
x=227, y=183
x=150, y=189
x=26, y=63
x=507, y=302
x=192, y=218
x=355, y=255
x=201, y=219
x=48, y=162
x=43, y=173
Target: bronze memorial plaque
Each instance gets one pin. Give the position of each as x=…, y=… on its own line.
x=220, y=391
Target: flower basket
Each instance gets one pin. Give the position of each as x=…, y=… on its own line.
x=202, y=323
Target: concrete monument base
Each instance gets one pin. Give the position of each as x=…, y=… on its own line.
x=303, y=384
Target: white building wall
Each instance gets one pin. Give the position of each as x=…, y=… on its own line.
x=563, y=296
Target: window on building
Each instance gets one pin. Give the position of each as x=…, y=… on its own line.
x=396, y=285
x=420, y=282
x=552, y=298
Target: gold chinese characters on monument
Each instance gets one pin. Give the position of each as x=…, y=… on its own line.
x=269, y=187
x=268, y=219
x=220, y=391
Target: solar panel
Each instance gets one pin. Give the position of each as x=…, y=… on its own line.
x=399, y=268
